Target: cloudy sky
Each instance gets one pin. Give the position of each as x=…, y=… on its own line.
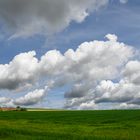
x=76, y=54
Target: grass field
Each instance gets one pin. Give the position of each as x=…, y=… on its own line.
x=70, y=125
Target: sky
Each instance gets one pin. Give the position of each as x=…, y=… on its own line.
x=76, y=54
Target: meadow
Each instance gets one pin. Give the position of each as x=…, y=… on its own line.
x=70, y=125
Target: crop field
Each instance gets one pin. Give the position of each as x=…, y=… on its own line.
x=70, y=125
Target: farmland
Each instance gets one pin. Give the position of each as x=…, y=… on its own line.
x=70, y=125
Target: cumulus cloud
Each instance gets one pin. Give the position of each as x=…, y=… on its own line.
x=88, y=106
x=132, y=72
x=28, y=17
x=4, y=100
x=20, y=71
x=123, y=1
x=124, y=94
x=123, y=91
x=91, y=62
x=111, y=37
x=31, y=98
x=89, y=73
x=127, y=106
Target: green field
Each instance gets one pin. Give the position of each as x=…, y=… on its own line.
x=70, y=125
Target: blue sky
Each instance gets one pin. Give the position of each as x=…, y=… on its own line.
x=121, y=19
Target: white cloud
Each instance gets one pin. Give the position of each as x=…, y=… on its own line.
x=111, y=37
x=122, y=95
x=88, y=106
x=4, y=100
x=123, y=91
x=123, y=1
x=132, y=72
x=89, y=72
x=95, y=61
x=22, y=70
x=31, y=98
x=29, y=17
x=127, y=106
x=91, y=62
